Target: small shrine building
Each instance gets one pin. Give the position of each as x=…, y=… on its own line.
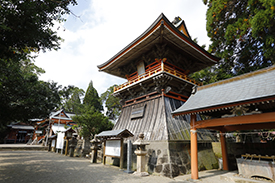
x=156, y=66
x=245, y=102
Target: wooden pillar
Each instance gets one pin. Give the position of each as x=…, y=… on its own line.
x=104, y=157
x=194, y=148
x=67, y=144
x=224, y=151
x=121, y=154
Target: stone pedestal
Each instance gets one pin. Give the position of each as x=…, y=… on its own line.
x=72, y=147
x=141, y=163
x=141, y=153
x=94, y=149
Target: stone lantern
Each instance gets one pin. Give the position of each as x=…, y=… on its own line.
x=141, y=153
x=94, y=149
x=72, y=146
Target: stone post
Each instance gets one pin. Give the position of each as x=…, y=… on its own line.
x=129, y=157
x=72, y=146
x=94, y=149
x=49, y=145
x=141, y=153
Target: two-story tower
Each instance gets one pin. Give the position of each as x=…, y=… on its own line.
x=156, y=66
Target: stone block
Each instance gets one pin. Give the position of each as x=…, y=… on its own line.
x=158, y=168
x=182, y=169
x=162, y=160
x=175, y=170
x=166, y=170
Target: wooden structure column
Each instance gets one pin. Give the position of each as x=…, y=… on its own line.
x=194, y=148
x=224, y=151
x=121, y=154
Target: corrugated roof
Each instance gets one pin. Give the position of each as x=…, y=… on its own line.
x=157, y=122
x=248, y=87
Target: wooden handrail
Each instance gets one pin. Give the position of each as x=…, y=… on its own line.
x=156, y=67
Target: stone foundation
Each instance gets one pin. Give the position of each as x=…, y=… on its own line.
x=171, y=159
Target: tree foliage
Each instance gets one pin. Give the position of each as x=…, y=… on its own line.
x=26, y=26
x=242, y=35
x=71, y=99
x=111, y=103
x=92, y=121
x=88, y=117
x=91, y=97
x=22, y=95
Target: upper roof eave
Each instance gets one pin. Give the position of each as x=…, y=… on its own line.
x=157, y=23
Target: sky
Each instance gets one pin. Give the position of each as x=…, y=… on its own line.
x=101, y=28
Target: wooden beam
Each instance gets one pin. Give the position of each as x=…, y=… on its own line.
x=254, y=126
x=249, y=119
x=250, y=126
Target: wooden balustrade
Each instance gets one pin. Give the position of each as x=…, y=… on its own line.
x=154, y=68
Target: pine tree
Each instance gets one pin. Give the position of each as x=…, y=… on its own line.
x=91, y=98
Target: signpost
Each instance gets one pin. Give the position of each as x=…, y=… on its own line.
x=113, y=144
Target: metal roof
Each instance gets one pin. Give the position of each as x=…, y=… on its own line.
x=157, y=123
x=21, y=127
x=115, y=133
x=248, y=87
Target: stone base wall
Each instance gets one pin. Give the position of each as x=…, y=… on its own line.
x=170, y=159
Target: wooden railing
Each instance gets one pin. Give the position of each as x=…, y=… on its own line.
x=158, y=66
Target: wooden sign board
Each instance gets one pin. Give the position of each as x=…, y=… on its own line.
x=113, y=148
x=138, y=112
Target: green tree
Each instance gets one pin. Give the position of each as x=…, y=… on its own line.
x=26, y=26
x=91, y=121
x=23, y=96
x=91, y=97
x=242, y=34
x=111, y=103
x=73, y=104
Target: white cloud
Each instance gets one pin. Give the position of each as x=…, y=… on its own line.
x=106, y=27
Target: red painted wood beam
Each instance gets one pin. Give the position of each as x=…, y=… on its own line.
x=249, y=119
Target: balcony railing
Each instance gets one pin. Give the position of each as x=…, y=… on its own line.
x=158, y=66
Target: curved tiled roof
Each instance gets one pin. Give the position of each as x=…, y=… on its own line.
x=234, y=91
x=161, y=27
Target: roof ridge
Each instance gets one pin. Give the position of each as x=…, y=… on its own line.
x=237, y=78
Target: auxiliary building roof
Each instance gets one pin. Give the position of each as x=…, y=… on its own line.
x=247, y=88
x=161, y=29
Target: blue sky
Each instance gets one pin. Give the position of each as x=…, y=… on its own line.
x=103, y=29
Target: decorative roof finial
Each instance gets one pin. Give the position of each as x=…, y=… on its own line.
x=176, y=20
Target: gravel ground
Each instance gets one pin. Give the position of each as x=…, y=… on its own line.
x=45, y=167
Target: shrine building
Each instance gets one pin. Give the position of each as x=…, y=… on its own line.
x=156, y=66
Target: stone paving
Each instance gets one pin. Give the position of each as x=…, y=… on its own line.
x=43, y=167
